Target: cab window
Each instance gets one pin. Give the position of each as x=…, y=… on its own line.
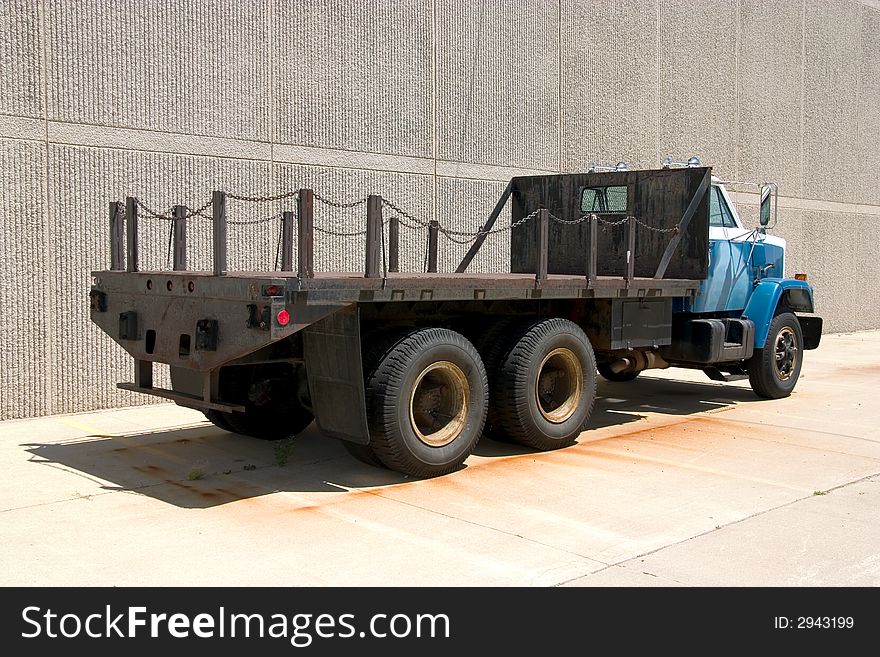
x=720, y=215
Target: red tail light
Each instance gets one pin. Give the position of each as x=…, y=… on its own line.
x=283, y=317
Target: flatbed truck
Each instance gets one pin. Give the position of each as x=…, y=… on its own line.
x=611, y=273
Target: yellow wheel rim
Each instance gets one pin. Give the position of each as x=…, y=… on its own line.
x=560, y=385
x=438, y=405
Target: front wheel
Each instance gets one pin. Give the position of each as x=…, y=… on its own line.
x=427, y=397
x=774, y=370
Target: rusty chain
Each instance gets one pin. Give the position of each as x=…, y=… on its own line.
x=339, y=233
x=453, y=235
x=421, y=223
x=198, y=212
x=606, y=222
x=248, y=222
x=263, y=199
x=340, y=204
x=406, y=219
x=672, y=229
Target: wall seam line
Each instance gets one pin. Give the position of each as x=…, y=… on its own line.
x=803, y=172
x=736, y=77
x=51, y=334
x=435, y=209
x=559, y=122
x=273, y=110
x=659, y=156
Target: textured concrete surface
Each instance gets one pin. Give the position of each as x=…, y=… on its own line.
x=609, y=90
x=190, y=67
x=353, y=75
x=770, y=88
x=831, y=88
x=867, y=170
x=498, y=82
x=678, y=480
x=820, y=540
x=464, y=204
x=698, y=81
x=21, y=84
x=434, y=105
x=24, y=348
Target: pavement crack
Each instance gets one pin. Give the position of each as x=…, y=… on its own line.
x=738, y=521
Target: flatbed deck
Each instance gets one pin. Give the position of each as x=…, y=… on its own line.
x=341, y=287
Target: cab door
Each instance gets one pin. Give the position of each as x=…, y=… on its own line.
x=729, y=283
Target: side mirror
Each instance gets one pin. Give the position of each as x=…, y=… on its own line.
x=767, y=204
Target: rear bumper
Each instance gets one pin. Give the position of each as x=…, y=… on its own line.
x=182, y=399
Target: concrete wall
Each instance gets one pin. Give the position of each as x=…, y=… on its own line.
x=431, y=104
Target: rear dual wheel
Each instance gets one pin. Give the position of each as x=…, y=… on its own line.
x=427, y=397
x=544, y=386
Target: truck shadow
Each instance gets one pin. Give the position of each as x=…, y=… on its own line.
x=619, y=404
x=202, y=466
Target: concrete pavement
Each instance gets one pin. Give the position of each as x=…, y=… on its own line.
x=679, y=481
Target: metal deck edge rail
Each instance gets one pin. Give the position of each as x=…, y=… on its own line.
x=377, y=263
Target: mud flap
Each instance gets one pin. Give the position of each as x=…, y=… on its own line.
x=811, y=327
x=332, y=349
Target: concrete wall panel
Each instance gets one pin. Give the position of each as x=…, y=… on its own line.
x=21, y=80
x=26, y=370
x=698, y=49
x=867, y=154
x=497, y=82
x=609, y=84
x=831, y=86
x=837, y=270
x=771, y=93
x=192, y=67
x=354, y=75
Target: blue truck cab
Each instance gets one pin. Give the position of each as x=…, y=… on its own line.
x=747, y=319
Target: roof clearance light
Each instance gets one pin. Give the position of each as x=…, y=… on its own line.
x=800, y=277
x=283, y=317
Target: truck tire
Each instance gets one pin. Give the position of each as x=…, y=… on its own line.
x=493, y=344
x=219, y=419
x=774, y=369
x=546, y=385
x=279, y=412
x=427, y=399
x=271, y=422
x=363, y=453
x=610, y=375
